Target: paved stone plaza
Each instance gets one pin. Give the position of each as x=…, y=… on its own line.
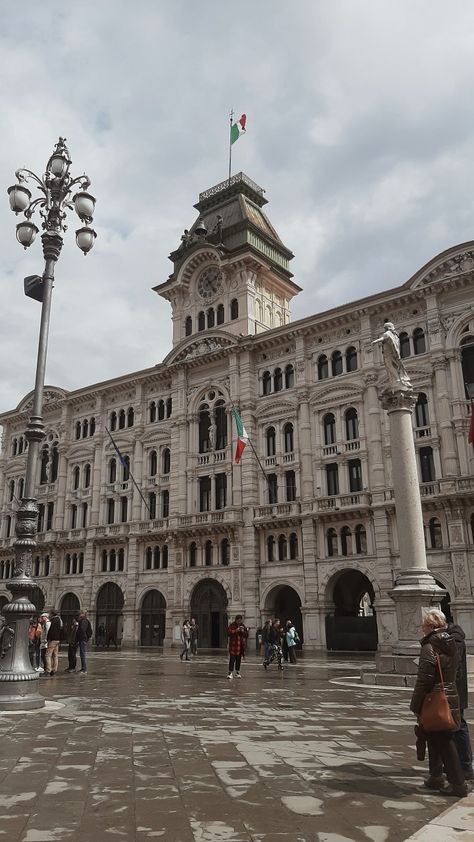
x=145, y=747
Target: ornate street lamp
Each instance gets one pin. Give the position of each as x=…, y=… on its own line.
x=18, y=679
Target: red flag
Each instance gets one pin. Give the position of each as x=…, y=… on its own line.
x=471, y=428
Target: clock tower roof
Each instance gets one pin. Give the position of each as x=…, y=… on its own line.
x=231, y=218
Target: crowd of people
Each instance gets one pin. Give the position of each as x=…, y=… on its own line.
x=47, y=632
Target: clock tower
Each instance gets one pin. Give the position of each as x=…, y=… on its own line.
x=231, y=270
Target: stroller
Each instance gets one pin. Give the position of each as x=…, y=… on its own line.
x=275, y=654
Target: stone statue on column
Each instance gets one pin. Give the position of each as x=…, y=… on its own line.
x=397, y=374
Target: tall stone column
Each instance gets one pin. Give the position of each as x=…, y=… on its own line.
x=415, y=588
x=445, y=425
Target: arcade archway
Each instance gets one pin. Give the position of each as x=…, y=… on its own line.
x=352, y=626
x=284, y=603
x=446, y=602
x=209, y=608
x=68, y=609
x=153, y=619
x=109, y=613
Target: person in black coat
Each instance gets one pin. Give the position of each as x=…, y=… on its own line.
x=437, y=643
x=461, y=737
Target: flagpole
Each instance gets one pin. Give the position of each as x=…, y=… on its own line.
x=251, y=445
x=230, y=144
x=129, y=471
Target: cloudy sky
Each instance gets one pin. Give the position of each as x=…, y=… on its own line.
x=360, y=127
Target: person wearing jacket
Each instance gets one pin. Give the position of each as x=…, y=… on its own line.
x=238, y=634
x=437, y=643
x=72, y=646
x=53, y=638
x=291, y=641
x=83, y=635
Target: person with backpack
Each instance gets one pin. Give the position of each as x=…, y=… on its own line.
x=292, y=639
x=83, y=635
x=53, y=638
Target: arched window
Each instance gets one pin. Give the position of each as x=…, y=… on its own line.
x=20, y=445
x=152, y=412
x=152, y=505
x=346, y=541
x=164, y=557
x=422, y=418
x=225, y=552
x=73, y=517
x=124, y=509
x=436, y=535
x=270, y=439
x=113, y=420
x=112, y=561
x=282, y=548
x=419, y=343
x=165, y=503
x=110, y=510
x=104, y=561
x=201, y=320
x=323, y=367
x=77, y=430
x=404, y=345
x=266, y=382
x=76, y=474
x=193, y=554
x=85, y=428
x=234, y=309
x=220, y=417
x=204, y=424
x=277, y=380
x=153, y=463
x=169, y=407
x=121, y=419
x=84, y=516
x=352, y=424
x=336, y=363
x=126, y=469
x=288, y=438
x=289, y=376
x=156, y=558
x=8, y=526
x=472, y=527
x=332, y=479
x=11, y=490
x=208, y=554
x=272, y=481
x=148, y=558
x=360, y=539
x=14, y=447
x=211, y=317
x=44, y=465
x=113, y=470
x=293, y=546
x=351, y=359
x=271, y=548
x=161, y=410
x=54, y=461
x=188, y=326
x=354, y=468
x=290, y=483
x=92, y=427
x=21, y=488
x=220, y=314
x=166, y=461
x=130, y=417
x=428, y=473
x=329, y=425
x=331, y=539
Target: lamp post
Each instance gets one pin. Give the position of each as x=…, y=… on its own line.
x=18, y=679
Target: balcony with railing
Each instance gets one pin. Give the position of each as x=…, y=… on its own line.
x=274, y=510
x=343, y=501
x=212, y=456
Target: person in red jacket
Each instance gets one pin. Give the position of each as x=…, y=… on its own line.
x=238, y=634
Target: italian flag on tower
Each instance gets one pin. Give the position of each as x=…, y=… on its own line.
x=237, y=129
x=242, y=437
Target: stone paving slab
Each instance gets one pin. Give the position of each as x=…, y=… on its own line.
x=145, y=747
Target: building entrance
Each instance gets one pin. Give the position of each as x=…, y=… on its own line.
x=283, y=603
x=109, y=616
x=353, y=625
x=209, y=608
x=68, y=609
x=153, y=619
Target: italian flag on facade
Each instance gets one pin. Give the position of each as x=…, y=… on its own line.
x=242, y=437
x=237, y=129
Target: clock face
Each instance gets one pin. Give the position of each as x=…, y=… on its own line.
x=210, y=283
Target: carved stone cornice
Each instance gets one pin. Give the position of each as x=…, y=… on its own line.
x=393, y=399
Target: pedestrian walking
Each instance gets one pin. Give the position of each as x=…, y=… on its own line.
x=194, y=632
x=83, y=635
x=437, y=666
x=72, y=646
x=266, y=644
x=53, y=638
x=185, y=640
x=291, y=641
x=38, y=631
x=32, y=640
x=45, y=624
x=238, y=634
x=273, y=648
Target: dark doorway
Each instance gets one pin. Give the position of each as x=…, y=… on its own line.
x=209, y=608
x=109, y=613
x=68, y=609
x=153, y=619
x=353, y=625
x=446, y=603
x=284, y=603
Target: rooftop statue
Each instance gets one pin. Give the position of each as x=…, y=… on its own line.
x=396, y=372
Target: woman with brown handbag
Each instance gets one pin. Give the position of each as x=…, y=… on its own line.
x=435, y=701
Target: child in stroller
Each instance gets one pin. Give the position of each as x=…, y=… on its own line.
x=275, y=654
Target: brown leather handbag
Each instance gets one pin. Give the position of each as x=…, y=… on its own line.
x=435, y=711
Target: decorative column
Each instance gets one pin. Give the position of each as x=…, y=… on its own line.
x=445, y=425
x=415, y=588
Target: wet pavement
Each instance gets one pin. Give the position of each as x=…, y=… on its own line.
x=146, y=747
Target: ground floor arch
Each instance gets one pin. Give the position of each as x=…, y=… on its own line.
x=352, y=624
x=109, y=615
x=283, y=602
x=69, y=608
x=153, y=619
x=209, y=608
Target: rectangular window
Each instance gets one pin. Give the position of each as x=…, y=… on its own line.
x=165, y=503
x=73, y=517
x=204, y=494
x=272, y=480
x=152, y=505
x=123, y=509
x=332, y=478
x=110, y=510
x=40, y=517
x=221, y=491
x=290, y=481
x=428, y=473
x=355, y=475
x=49, y=516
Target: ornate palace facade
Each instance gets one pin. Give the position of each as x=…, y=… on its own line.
x=308, y=529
